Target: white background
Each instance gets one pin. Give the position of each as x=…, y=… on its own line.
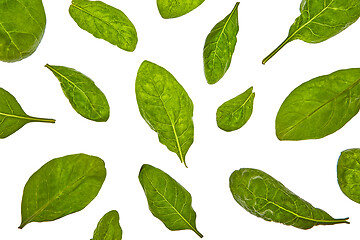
x=125, y=141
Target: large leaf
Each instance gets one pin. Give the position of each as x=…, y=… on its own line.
x=234, y=113
x=320, y=106
x=220, y=46
x=84, y=96
x=12, y=116
x=168, y=200
x=22, y=26
x=265, y=197
x=62, y=186
x=108, y=227
x=105, y=22
x=320, y=20
x=177, y=8
x=166, y=107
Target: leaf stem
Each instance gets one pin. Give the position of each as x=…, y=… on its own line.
x=276, y=50
x=46, y=120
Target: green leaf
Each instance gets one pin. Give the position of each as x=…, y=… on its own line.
x=166, y=107
x=320, y=20
x=177, y=8
x=320, y=106
x=234, y=113
x=348, y=173
x=62, y=186
x=22, y=26
x=265, y=197
x=12, y=116
x=104, y=22
x=108, y=227
x=84, y=96
x=168, y=200
x=220, y=46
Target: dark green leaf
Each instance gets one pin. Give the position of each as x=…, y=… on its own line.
x=166, y=107
x=22, y=26
x=320, y=106
x=348, y=173
x=320, y=20
x=12, y=116
x=177, y=8
x=108, y=227
x=62, y=186
x=219, y=47
x=85, y=97
x=234, y=113
x=265, y=197
x=105, y=22
x=168, y=200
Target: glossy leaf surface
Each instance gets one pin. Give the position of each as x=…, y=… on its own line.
x=62, y=186
x=104, y=22
x=320, y=106
x=166, y=107
x=265, y=197
x=168, y=200
x=220, y=46
x=84, y=96
x=177, y=8
x=320, y=20
x=234, y=113
x=108, y=227
x=22, y=26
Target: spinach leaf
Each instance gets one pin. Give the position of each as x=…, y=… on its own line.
x=22, y=26
x=348, y=173
x=105, y=22
x=84, y=96
x=234, y=113
x=62, y=186
x=12, y=116
x=320, y=106
x=220, y=46
x=177, y=8
x=108, y=227
x=168, y=200
x=320, y=20
x=265, y=197
x=166, y=107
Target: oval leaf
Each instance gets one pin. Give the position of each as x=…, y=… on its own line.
x=108, y=227
x=265, y=197
x=168, y=200
x=166, y=107
x=177, y=8
x=320, y=20
x=22, y=26
x=104, y=22
x=62, y=186
x=220, y=46
x=84, y=96
x=320, y=106
x=234, y=113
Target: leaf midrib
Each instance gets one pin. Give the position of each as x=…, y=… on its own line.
x=243, y=104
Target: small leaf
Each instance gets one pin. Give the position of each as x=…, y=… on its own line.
x=104, y=22
x=62, y=186
x=265, y=197
x=168, y=200
x=108, y=227
x=84, y=96
x=220, y=46
x=12, y=116
x=233, y=114
x=166, y=107
x=177, y=8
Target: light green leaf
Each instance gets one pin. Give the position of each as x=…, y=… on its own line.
x=320, y=106
x=108, y=227
x=220, y=46
x=166, y=107
x=177, y=8
x=62, y=186
x=320, y=20
x=22, y=26
x=105, y=22
x=84, y=96
x=234, y=113
x=168, y=200
x=265, y=197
